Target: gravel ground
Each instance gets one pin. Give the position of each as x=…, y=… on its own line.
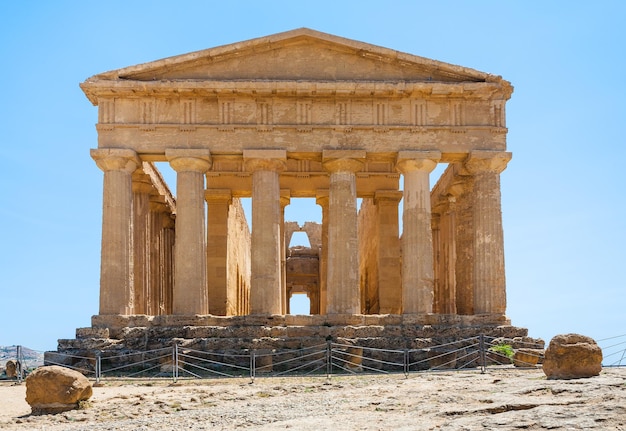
x=466, y=400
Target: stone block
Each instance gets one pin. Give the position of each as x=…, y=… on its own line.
x=302, y=331
x=344, y=319
x=92, y=333
x=264, y=320
x=382, y=319
x=525, y=357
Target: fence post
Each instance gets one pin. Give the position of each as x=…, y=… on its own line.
x=483, y=360
x=18, y=365
x=175, y=363
x=329, y=359
x=252, y=365
x=98, y=367
x=406, y=363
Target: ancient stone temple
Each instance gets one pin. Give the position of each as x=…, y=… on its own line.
x=300, y=114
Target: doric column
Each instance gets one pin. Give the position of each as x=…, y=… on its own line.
x=265, y=289
x=447, y=245
x=417, y=243
x=161, y=257
x=142, y=187
x=489, y=277
x=389, y=270
x=218, y=203
x=321, y=198
x=285, y=199
x=437, y=265
x=190, y=294
x=116, y=285
x=343, y=262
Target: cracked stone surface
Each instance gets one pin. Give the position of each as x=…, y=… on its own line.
x=502, y=399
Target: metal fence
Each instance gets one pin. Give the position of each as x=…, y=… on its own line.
x=327, y=359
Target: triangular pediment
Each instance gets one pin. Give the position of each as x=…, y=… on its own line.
x=301, y=54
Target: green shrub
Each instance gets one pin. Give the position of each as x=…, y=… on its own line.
x=503, y=349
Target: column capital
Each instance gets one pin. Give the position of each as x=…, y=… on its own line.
x=142, y=183
x=321, y=197
x=388, y=196
x=184, y=160
x=218, y=196
x=265, y=160
x=285, y=197
x=158, y=204
x=410, y=160
x=487, y=161
x=343, y=160
x=116, y=159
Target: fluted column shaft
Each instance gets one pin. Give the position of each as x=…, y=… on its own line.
x=489, y=276
x=116, y=279
x=343, y=262
x=389, y=270
x=285, y=199
x=447, y=246
x=266, y=279
x=190, y=295
x=417, y=242
x=321, y=199
x=218, y=204
x=142, y=187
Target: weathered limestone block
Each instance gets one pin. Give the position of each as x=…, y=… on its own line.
x=55, y=389
x=572, y=356
x=527, y=357
x=92, y=333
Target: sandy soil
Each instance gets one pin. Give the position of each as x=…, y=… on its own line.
x=467, y=400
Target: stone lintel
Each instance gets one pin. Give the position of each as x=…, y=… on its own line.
x=218, y=195
x=111, y=159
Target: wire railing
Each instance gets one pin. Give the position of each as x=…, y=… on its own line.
x=328, y=359
x=613, y=351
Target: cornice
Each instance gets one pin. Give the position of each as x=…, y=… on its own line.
x=96, y=88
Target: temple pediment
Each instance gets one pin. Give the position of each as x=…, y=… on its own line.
x=301, y=54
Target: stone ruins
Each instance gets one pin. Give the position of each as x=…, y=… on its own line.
x=300, y=114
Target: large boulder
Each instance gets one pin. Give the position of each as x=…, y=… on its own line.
x=572, y=356
x=54, y=389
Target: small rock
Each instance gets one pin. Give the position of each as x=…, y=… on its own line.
x=572, y=356
x=11, y=368
x=55, y=389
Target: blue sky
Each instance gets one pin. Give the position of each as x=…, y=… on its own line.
x=562, y=194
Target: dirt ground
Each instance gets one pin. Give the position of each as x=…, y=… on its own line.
x=502, y=399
